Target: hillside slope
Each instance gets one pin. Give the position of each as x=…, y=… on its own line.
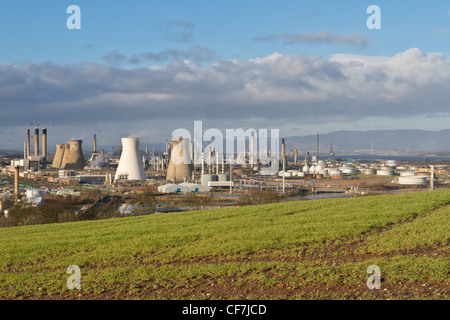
x=294, y=250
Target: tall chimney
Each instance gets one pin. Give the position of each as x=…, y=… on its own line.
x=28, y=144
x=16, y=182
x=283, y=149
x=44, y=146
x=95, y=143
x=36, y=141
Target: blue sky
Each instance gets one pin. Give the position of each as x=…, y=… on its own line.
x=188, y=39
x=36, y=30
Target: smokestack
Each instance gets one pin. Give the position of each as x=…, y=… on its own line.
x=283, y=149
x=44, y=146
x=16, y=182
x=28, y=144
x=295, y=156
x=36, y=142
x=95, y=143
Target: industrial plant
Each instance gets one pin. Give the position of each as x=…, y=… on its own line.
x=174, y=176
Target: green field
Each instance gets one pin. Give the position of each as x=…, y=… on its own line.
x=317, y=249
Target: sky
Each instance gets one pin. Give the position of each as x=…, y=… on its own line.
x=146, y=68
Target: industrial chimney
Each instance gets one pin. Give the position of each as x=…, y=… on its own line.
x=36, y=142
x=44, y=147
x=28, y=144
x=130, y=165
x=95, y=143
x=16, y=182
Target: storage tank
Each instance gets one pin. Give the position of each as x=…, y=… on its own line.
x=369, y=171
x=347, y=169
x=130, y=165
x=413, y=180
x=385, y=172
x=335, y=173
x=407, y=173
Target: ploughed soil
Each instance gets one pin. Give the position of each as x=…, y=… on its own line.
x=243, y=287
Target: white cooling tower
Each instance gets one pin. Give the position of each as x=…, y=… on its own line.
x=130, y=165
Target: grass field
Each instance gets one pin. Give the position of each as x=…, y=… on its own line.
x=317, y=249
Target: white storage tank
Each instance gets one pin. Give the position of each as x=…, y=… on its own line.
x=385, y=172
x=335, y=172
x=413, y=180
x=348, y=169
x=369, y=171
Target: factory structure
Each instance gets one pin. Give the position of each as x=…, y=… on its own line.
x=176, y=170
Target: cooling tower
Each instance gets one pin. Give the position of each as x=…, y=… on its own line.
x=57, y=160
x=73, y=157
x=130, y=164
x=180, y=165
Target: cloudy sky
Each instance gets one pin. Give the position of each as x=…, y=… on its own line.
x=144, y=69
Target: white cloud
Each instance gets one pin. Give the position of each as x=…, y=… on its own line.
x=272, y=91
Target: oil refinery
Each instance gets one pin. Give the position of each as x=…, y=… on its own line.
x=173, y=173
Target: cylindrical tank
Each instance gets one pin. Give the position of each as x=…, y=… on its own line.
x=335, y=173
x=407, y=173
x=130, y=164
x=368, y=171
x=413, y=180
x=385, y=172
x=348, y=169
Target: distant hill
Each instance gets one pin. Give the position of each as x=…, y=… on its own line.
x=380, y=140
